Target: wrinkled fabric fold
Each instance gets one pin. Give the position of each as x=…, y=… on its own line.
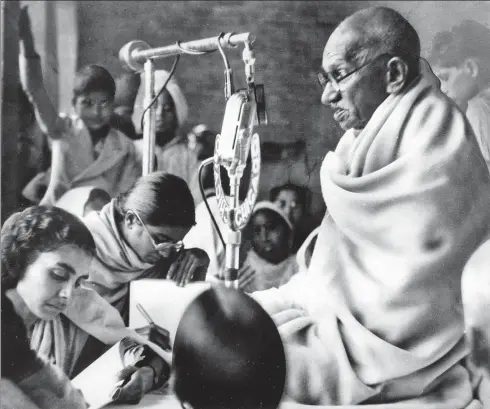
x=407, y=201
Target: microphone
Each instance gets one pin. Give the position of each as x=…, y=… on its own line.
x=232, y=148
x=134, y=54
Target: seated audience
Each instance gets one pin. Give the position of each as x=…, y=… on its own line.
x=86, y=151
x=83, y=200
x=241, y=362
x=461, y=60
x=270, y=262
x=171, y=150
x=378, y=319
x=293, y=200
x=46, y=253
x=139, y=235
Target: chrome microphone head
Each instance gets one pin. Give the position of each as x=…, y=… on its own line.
x=127, y=58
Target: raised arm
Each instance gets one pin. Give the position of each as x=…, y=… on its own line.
x=32, y=80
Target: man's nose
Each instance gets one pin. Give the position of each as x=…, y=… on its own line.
x=330, y=94
x=97, y=109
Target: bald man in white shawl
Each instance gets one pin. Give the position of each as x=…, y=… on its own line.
x=377, y=319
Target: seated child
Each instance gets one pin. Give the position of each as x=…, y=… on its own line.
x=86, y=151
x=83, y=200
x=227, y=354
x=270, y=262
x=293, y=200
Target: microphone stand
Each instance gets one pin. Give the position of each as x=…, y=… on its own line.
x=243, y=109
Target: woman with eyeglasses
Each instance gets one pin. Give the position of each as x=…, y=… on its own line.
x=139, y=235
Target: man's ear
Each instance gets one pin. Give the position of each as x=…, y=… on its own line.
x=471, y=66
x=396, y=76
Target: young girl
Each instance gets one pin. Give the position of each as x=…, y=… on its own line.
x=45, y=254
x=171, y=150
x=270, y=262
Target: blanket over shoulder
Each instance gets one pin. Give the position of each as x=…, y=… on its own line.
x=379, y=317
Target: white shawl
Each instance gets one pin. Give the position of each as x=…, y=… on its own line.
x=379, y=313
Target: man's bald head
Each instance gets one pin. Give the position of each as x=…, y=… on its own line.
x=370, y=55
x=377, y=30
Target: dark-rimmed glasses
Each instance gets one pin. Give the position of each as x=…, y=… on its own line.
x=334, y=79
x=161, y=246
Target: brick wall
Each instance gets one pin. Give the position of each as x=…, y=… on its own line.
x=290, y=39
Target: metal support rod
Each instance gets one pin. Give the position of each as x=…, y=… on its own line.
x=232, y=255
x=149, y=120
x=229, y=40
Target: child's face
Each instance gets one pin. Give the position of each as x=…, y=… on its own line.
x=270, y=236
x=95, y=109
x=456, y=82
x=288, y=202
x=165, y=118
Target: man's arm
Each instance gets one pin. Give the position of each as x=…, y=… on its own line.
x=32, y=80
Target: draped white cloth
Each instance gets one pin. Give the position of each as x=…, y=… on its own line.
x=378, y=317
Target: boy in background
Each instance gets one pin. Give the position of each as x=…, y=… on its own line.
x=461, y=60
x=86, y=150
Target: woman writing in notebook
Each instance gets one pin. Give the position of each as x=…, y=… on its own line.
x=45, y=253
x=139, y=235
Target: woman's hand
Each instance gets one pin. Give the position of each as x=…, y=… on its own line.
x=190, y=265
x=156, y=334
x=138, y=382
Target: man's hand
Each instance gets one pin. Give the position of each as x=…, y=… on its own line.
x=190, y=265
x=138, y=382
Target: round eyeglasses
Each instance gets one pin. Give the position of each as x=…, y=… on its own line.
x=162, y=246
x=337, y=76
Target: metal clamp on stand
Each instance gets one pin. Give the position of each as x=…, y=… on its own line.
x=231, y=151
x=244, y=109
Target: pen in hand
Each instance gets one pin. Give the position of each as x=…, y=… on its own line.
x=119, y=385
x=157, y=334
x=144, y=314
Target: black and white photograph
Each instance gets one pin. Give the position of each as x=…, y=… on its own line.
x=245, y=204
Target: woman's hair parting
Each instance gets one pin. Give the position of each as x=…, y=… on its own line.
x=39, y=229
x=228, y=354
x=93, y=78
x=160, y=198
